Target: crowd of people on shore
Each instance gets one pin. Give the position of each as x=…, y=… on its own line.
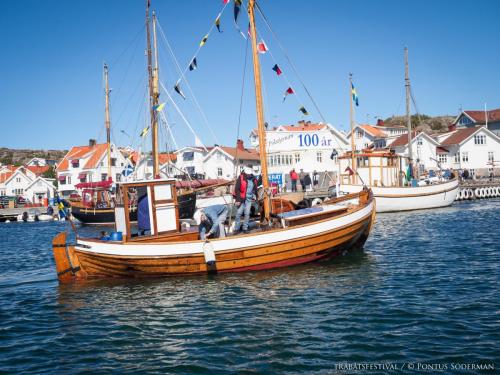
x=306, y=182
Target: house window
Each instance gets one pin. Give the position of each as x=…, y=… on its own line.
x=188, y=156
x=18, y=179
x=118, y=177
x=479, y=139
x=491, y=156
x=68, y=180
x=465, y=156
x=319, y=157
x=75, y=163
x=442, y=158
x=464, y=120
x=104, y=176
x=420, y=142
x=297, y=158
x=190, y=170
x=219, y=172
x=457, y=157
x=359, y=134
x=472, y=172
x=366, y=145
x=113, y=162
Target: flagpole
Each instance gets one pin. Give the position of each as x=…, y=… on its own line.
x=351, y=116
x=107, y=120
x=408, y=117
x=260, y=110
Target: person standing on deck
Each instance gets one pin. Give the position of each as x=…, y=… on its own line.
x=315, y=180
x=245, y=191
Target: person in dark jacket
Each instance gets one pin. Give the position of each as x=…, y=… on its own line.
x=307, y=182
x=245, y=192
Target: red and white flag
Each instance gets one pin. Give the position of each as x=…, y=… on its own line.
x=261, y=47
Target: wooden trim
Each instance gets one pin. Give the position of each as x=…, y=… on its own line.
x=176, y=208
x=165, y=201
x=124, y=190
x=151, y=194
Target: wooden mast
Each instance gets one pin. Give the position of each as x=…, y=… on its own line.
x=107, y=120
x=351, y=118
x=153, y=91
x=260, y=109
x=408, y=117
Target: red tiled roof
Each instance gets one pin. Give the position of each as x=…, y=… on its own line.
x=478, y=116
x=245, y=154
x=165, y=157
x=441, y=150
x=303, y=127
x=38, y=170
x=97, y=152
x=4, y=176
x=78, y=152
x=459, y=136
x=402, y=140
x=373, y=130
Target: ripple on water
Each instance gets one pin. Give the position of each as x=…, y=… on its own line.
x=424, y=289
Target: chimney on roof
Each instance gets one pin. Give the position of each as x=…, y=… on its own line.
x=302, y=122
x=308, y=123
x=380, y=122
x=239, y=145
x=452, y=127
x=92, y=142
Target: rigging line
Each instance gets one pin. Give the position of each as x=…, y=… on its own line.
x=131, y=43
x=289, y=61
x=183, y=73
x=139, y=115
x=197, y=104
x=181, y=114
x=132, y=57
x=141, y=81
x=236, y=157
x=169, y=129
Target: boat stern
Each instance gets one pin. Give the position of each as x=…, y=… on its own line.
x=67, y=264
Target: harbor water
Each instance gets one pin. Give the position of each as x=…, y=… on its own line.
x=423, y=296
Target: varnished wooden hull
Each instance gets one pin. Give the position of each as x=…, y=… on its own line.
x=259, y=251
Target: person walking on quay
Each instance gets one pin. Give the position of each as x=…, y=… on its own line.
x=307, y=182
x=245, y=191
x=302, y=175
x=315, y=180
x=294, y=177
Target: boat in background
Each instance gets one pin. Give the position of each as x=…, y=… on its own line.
x=391, y=177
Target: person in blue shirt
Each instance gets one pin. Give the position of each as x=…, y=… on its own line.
x=245, y=192
x=143, y=223
x=211, y=221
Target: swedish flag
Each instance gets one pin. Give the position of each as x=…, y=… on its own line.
x=354, y=95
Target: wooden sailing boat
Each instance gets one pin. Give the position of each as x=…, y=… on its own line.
x=386, y=172
x=281, y=240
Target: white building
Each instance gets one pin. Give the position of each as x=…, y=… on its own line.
x=89, y=164
x=306, y=146
x=424, y=150
x=37, y=162
x=226, y=162
x=26, y=182
x=190, y=161
x=476, y=149
x=379, y=136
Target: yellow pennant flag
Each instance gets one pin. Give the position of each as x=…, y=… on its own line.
x=204, y=40
x=159, y=107
x=145, y=131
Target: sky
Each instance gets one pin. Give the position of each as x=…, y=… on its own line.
x=52, y=55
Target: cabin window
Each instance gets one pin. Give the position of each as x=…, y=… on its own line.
x=465, y=156
x=319, y=157
x=442, y=158
x=491, y=156
x=362, y=161
x=188, y=156
x=479, y=139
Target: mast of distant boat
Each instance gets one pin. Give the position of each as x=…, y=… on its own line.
x=260, y=110
x=351, y=118
x=408, y=117
x=107, y=120
x=153, y=90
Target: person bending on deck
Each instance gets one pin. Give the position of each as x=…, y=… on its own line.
x=245, y=192
x=211, y=221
